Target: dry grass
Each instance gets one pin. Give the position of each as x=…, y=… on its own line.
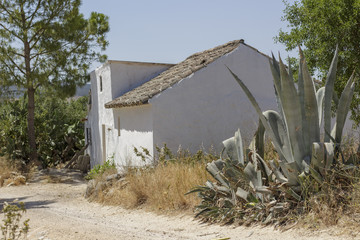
x=9, y=173
x=161, y=188
x=337, y=204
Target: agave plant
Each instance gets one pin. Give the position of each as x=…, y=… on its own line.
x=247, y=188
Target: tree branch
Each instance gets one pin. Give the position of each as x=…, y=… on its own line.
x=11, y=70
x=32, y=16
x=8, y=12
x=11, y=32
x=69, y=53
x=40, y=31
x=15, y=64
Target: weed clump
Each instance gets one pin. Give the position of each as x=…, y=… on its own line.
x=12, y=215
x=99, y=170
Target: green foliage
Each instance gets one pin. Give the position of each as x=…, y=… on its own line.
x=247, y=188
x=98, y=170
x=320, y=25
x=13, y=130
x=58, y=125
x=11, y=228
x=48, y=44
x=144, y=154
x=51, y=41
x=165, y=155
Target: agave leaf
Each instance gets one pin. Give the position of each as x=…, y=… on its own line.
x=222, y=189
x=301, y=90
x=329, y=155
x=263, y=190
x=205, y=210
x=259, y=139
x=229, y=150
x=219, y=164
x=242, y=193
x=257, y=109
x=232, y=173
x=343, y=107
x=279, y=176
x=318, y=160
x=311, y=114
x=289, y=69
x=305, y=165
x=213, y=169
x=329, y=89
x=217, y=188
x=197, y=189
x=293, y=194
x=292, y=111
x=264, y=167
x=320, y=102
x=275, y=70
x=268, y=218
x=291, y=172
x=209, y=184
x=253, y=175
x=280, y=135
x=234, y=148
x=316, y=175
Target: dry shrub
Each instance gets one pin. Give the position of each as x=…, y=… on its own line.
x=7, y=172
x=337, y=203
x=160, y=188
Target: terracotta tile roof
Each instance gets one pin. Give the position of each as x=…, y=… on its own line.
x=166, y=79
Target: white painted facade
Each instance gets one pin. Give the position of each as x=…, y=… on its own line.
x=208, y=107
x=200, y=111
x=110, y=81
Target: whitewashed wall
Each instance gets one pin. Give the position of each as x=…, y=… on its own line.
x=118, y=77
x=136, y=130
x=207, y=107
x=96, y=115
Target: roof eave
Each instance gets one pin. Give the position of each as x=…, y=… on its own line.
x=110, y=105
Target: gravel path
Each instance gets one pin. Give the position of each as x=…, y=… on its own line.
x=59, y=211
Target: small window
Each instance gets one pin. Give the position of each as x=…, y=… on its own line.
x=101, y=85
x=89, y=100
x=118, y=126
x=88, y=135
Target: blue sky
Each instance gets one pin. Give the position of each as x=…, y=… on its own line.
x=169, y=31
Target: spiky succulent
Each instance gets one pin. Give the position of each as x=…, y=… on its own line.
x=247, y=188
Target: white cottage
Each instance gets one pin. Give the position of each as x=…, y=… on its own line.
x=193, y=104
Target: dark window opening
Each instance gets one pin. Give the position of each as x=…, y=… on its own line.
x=88, y=135
x=119, y=126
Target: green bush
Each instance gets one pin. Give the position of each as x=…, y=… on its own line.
x=98, y=170
x=59, y=130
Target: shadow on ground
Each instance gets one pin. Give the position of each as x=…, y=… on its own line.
x=28, y=204
x=52, y=175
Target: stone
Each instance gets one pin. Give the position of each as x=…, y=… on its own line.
x=83, y=163
x=113, y=177
x=90, y=188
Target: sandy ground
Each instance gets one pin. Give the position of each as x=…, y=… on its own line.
x=59, y=211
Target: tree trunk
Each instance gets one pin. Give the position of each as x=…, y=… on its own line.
x=31, y=126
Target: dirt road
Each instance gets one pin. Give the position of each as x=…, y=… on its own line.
x=59, y=211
